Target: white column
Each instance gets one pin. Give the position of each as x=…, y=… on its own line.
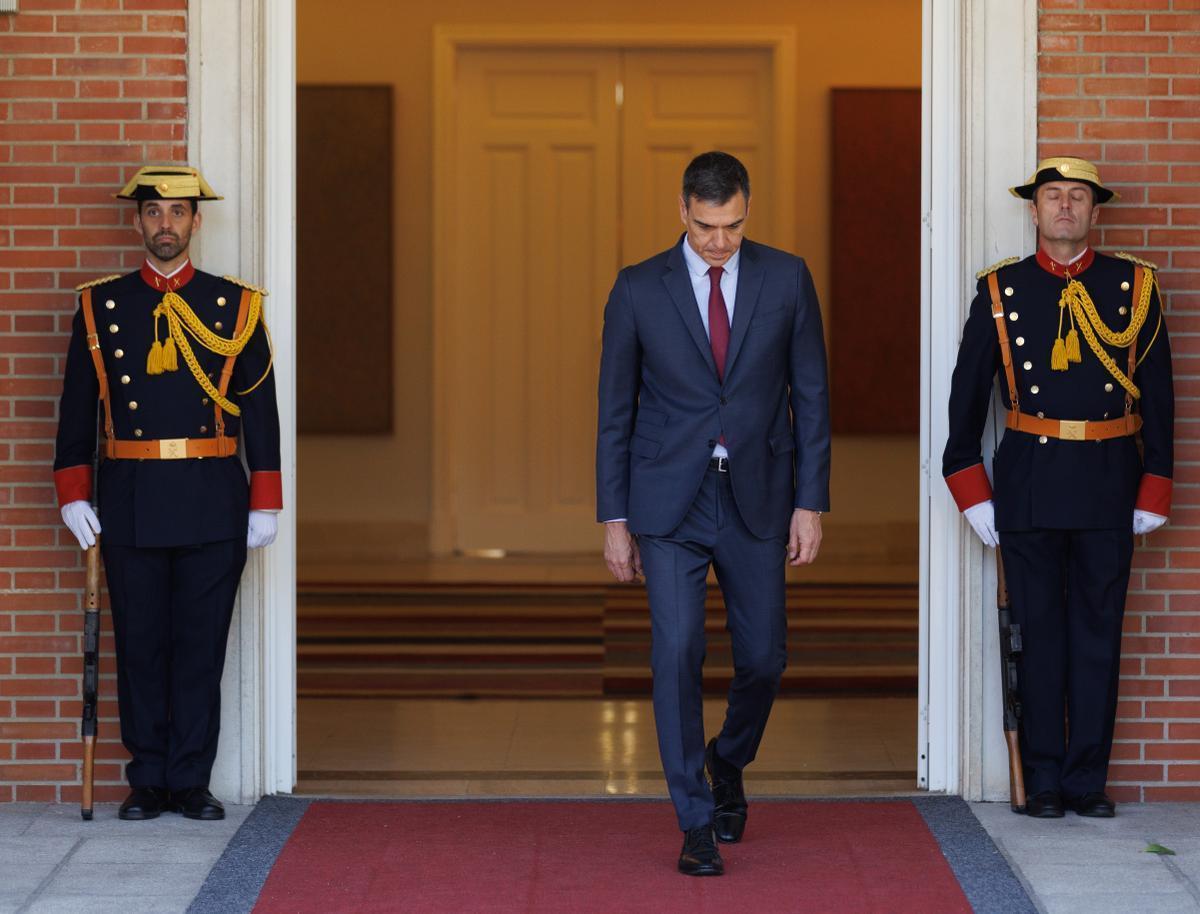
x=241, y=90
x=979, y=138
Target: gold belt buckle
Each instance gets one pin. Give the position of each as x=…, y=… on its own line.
x=1072, y=429
x=172, y=448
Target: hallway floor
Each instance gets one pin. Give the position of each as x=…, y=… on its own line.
x=588, y=747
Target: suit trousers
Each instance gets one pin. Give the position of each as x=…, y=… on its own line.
x=171, y=611
x=1067, y=592
x=750, y=572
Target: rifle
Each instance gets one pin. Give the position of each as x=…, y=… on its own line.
x=1010, y=650
x=91, y=650
x=91, y=675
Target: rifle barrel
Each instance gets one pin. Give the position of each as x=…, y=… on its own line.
x=91, y=677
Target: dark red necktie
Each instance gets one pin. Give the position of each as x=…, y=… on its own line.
x=718, y=321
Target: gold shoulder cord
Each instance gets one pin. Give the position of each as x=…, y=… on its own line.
x=270, y=361
x=999, y=264
x=1084, y=315
x=179, y=316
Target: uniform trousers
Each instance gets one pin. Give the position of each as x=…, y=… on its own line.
x=171, y=611
x=1067, y=592
x=750, y=572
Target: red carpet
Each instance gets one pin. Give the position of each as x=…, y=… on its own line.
x=607, y=858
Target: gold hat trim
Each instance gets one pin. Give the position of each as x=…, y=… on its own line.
x=172, y=182
x=1071, y=169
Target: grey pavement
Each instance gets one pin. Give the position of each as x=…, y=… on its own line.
x=1101, y=866
x=51, y=862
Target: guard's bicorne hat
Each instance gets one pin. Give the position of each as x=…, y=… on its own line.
x=167, y=182
x=1065, y=168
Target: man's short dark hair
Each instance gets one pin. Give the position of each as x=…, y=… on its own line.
x=141, y=203
x=714, y=177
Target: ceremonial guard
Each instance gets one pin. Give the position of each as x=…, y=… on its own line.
x=180, y=363
x=1079, y=342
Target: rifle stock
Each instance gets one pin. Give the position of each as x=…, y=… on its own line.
x=91, y=676
x=1010, y=649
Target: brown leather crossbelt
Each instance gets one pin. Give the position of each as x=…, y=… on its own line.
x=170, y=448
x=1074, y=430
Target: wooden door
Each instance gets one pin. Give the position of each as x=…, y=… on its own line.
x=556, y=186
x=679, y=103
x=535, y=245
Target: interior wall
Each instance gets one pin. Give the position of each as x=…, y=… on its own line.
x=374, y=492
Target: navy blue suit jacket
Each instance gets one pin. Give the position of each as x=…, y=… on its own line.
x=662, y=408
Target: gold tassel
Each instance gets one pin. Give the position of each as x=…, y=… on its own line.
x=1058, y=358
x=1074, y=287
x=170, y=358
x=1073, y=353
x=154, y=361
x=1058, y=355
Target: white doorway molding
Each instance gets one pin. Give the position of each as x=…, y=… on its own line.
x=979, y=137
x=241, y=133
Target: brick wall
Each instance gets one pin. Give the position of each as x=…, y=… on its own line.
x=1119, y=83
x=89, y=90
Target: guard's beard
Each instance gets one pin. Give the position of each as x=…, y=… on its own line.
x=166, y=247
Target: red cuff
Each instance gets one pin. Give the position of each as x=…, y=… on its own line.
x=73, y=484
x=1154, y=495
x=266, y=490
x=970, y=486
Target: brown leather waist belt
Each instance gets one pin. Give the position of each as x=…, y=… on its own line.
x=170, y=448
x=1074, y=430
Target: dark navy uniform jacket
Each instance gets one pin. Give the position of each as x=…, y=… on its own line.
x=1062, y=484
x=662, y=408
x=167, y=502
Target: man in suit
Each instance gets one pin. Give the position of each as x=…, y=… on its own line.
x=1071, y=486
x=712, y=449
x=180, y=362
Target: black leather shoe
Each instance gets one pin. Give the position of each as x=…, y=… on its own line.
x=143, y=803
x=700, y=856
x=1045, y=805
x=1094, y=806
x=729, y=798
x=197, y=803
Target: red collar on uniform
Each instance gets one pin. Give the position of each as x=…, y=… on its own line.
x=1065, y=271
x=155, y=279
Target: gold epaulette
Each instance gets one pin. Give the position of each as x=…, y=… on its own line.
x=1124, y=255
x=996, y=266
x=97, y=282
x=245, y=285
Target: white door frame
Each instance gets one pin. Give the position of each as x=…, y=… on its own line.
x=979, y=137
x=241, y=133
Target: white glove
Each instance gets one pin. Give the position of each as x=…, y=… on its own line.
x=1146, y=522
x=82, y=521
x=262, y=529
x=982, y=517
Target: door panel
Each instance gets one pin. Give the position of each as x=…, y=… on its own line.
x=556, y=187
x=536, y=231
x=679, y=103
